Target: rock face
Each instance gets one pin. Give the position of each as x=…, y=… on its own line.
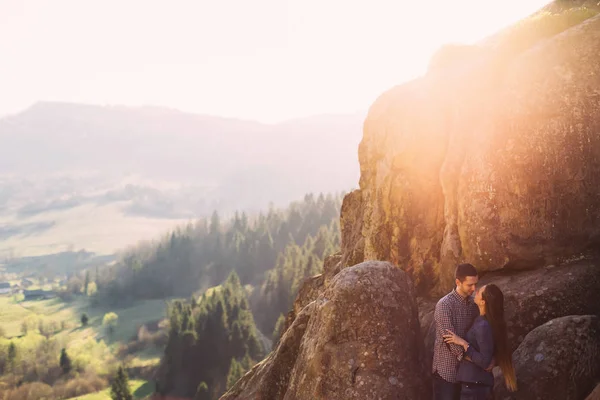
x=558, y=360
x=426, y=312
x=532, y=298
x=309, y=290
x=313, y=286
x=494, y=162
x=362, y=341
x=351, y=223
x=595, y=395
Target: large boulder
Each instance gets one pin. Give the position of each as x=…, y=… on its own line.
x=364, y=340
x=558, y=360
x=359, y=340
x=494, y=161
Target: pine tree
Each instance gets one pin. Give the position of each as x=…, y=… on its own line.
x=215, y=223
x=323, y=246
x=235, y=373
x=202, y=392
x=119, y=389
x=97, y=279
x=65, y=361
x=87, y=282
x=278, y=331
x=255, y=347
x=247, y=362
x=12, y=355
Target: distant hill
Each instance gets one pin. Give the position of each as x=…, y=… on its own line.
x=78, y=176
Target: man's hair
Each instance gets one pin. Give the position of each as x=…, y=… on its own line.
x=464, y=270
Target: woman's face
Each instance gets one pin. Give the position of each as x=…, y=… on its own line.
x=478, y=297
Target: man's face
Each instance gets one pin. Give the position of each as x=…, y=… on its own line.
x=467, y=287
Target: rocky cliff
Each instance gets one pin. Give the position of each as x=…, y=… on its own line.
x=493, y=158
x=484, y=162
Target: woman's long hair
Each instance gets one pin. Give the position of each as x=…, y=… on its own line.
x=494, y=313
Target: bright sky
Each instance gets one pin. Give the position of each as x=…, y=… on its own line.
x=267, y=60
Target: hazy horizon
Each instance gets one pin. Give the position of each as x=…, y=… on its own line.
x=268, y=61
x=103, y=178
x=166, y=108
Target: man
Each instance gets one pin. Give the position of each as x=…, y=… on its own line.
x=455, y=312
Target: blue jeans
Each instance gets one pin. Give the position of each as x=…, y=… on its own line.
x=473, y=392
x=444, y=390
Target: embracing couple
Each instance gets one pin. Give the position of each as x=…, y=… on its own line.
x=470, y=339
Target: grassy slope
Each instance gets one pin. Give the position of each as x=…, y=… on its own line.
x=12, y=314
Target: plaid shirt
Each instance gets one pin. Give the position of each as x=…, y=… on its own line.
x=456, y=314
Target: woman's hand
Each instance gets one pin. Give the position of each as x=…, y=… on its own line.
x=451, y=337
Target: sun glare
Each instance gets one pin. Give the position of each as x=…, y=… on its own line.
x=268, y=60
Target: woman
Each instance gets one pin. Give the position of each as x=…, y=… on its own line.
x=486, y=341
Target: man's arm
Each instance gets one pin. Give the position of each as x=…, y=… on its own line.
x=443, y=322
